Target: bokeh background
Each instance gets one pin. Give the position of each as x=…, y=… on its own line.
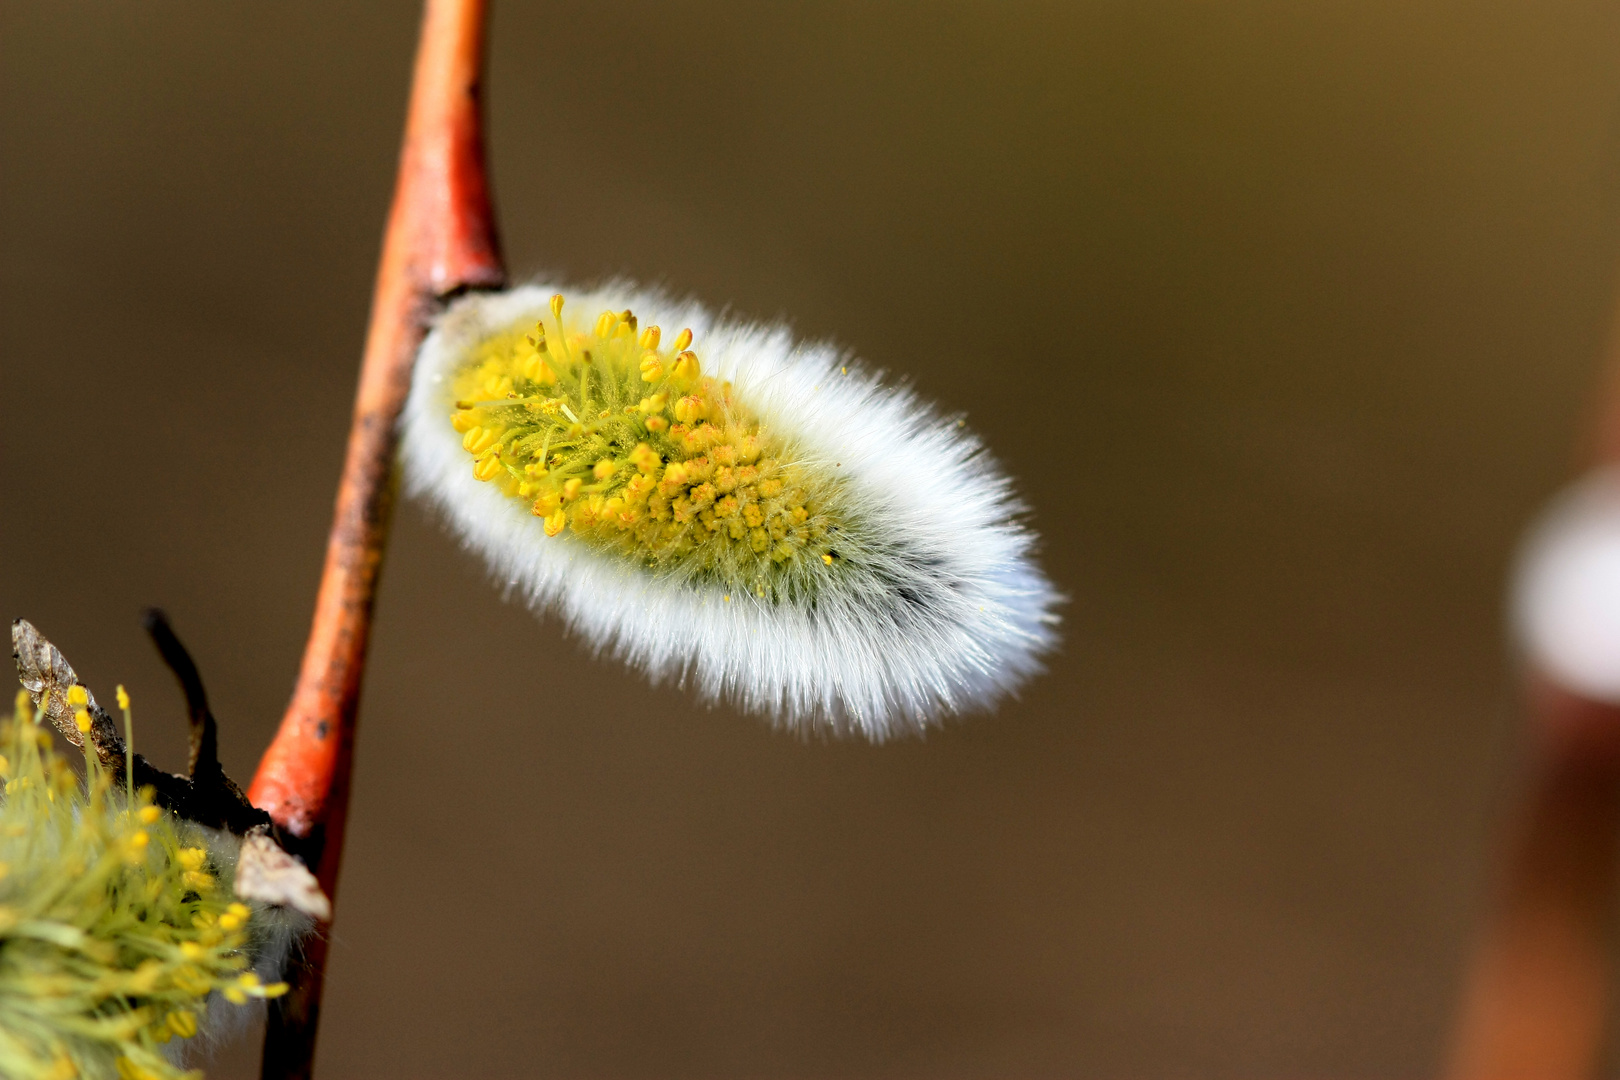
x=1286, y=316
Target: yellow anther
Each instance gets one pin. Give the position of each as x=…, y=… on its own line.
x=198, y=880
x=234, y=995
x=605, y=324
x=555, y=522
x=78, y=695
x=546, y=504
x=191, y=858
x=682, y=340
x=188, y=978
x=674, y=474
x=690, y=409
x=604, y=469
x=687, y=368
x=827, y=559
x=145, y=976
x=652, y=368
x=123, y=697
x=192, y=951
x=249, y=980
x=488, y=468
x=273, y=990
x=239, y=909
x=649, y=337
x=655, y=424
x=127, y=1069
x=148, y=815
x=463, y=421
x=81, y=720
x=625, y=330
x=480, y=439
x=183, y=1023
x=229, y=921
x=570, y=488
x=556, y=307
x=645, y=458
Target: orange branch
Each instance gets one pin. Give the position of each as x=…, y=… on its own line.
x=1536, y=998
x=440, y=238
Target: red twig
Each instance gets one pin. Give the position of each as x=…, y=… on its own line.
x=440, y=238
x=1537, y=994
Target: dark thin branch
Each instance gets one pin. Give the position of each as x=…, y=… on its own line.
x=204, y=731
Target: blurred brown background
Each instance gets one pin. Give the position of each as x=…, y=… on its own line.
x=1284, y=315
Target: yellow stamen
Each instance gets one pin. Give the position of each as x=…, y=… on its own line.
x=636, y=450
x=687, y=368
x=691, y=409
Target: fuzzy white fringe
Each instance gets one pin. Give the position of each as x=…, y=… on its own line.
x=945, y=611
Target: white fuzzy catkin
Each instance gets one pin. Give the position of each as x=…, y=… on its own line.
x=1566, y=589
x=935, y=606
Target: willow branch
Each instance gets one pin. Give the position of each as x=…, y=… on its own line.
x=1536, y=997
x=440, y=239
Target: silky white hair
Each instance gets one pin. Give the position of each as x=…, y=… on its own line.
x=939, y=608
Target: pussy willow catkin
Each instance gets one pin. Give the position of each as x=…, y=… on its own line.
x=716, y=502
x=118, y=928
